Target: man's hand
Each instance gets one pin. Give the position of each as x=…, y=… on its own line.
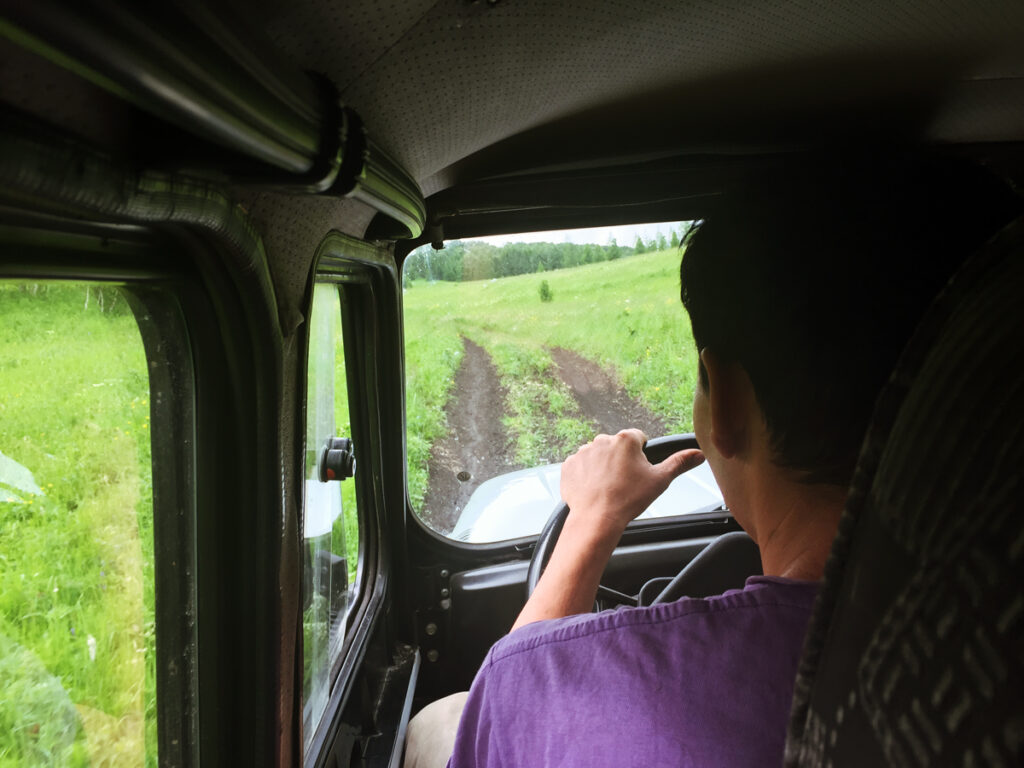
x=606, y=484
x=609, y=481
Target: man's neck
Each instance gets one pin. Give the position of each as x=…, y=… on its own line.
x=794, y=524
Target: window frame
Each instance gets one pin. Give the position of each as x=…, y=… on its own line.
x=428, y=545
x=367, y=281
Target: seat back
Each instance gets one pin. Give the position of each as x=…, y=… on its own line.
x=915, y=654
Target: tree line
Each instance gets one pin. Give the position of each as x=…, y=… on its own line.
x=462, y=261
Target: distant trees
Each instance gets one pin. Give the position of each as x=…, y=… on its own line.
x=427, y=264
x=475, y=260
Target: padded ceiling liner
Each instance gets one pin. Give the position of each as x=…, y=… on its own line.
x=438, y=82
x=292, y=227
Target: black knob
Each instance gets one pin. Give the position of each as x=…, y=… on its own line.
x=337, y=460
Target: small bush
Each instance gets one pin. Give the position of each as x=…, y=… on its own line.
x=545, y=291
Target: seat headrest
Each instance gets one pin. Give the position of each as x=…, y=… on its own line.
x=915, y=653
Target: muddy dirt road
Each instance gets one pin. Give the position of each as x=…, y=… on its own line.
x=601, y=398
x=478, y=448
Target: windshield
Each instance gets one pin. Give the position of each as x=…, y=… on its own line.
x=519, y=349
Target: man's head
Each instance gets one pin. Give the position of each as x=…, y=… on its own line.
x=812, y=282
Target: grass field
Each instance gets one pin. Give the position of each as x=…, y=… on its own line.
x=77, y=628
x=623, y=314
x=77, y=662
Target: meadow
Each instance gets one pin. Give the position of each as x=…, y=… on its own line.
x=623, y=314
x=77, y=618
x=77, y=631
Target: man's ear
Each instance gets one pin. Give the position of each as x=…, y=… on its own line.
x=730, y=399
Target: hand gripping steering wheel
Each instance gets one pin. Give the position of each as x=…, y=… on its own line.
x=656, y=451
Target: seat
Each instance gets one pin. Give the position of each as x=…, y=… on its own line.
x=915, y=652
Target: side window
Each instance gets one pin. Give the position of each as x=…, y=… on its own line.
x=519, y=349
x=77, y=613
x=330, y=522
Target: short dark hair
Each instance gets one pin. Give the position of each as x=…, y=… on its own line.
x=813, y=281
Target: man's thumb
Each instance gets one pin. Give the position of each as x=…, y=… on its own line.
x=680, y=462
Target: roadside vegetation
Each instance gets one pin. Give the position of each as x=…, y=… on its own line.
x=624, y=314
x=77, y=630
x=77, y=607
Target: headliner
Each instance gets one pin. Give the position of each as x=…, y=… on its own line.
x=460, y=90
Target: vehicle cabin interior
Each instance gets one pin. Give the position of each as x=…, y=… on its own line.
x=248, y=179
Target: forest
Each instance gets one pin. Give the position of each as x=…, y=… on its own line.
x=463, y=261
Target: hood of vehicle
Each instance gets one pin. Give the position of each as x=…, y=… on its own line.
x=518, y=504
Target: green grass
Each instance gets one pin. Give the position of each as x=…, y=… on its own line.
x=433, y=352
x=542, y=416
x=624, y=314
x=76, y=562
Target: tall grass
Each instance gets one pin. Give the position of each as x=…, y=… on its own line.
x=624, y=315
x=433, y=352
x=76, y=561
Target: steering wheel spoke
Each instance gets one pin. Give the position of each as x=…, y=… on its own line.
x=614, y=597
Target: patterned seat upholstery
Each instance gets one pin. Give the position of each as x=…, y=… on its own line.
x=915, y=655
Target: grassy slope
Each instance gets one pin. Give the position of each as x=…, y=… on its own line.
x=77, y=561
x=623, y=314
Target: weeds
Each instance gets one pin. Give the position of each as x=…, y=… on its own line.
x=541, y=418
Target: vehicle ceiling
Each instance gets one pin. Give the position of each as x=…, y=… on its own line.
x=460, y=89
x=531, y=114
x=465, y=90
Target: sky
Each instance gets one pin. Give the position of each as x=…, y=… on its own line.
x=624, y=235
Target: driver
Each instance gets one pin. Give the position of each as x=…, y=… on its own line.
x=801, y=296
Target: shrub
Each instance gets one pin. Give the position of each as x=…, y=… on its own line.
x=545, y=291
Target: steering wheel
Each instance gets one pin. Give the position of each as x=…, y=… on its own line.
x=656, y=451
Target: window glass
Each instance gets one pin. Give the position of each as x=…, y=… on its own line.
x=329, y=517
x=520, y=349
x=77, y=620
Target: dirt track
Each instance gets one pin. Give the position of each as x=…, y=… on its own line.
x=477, y=446
x=601, y=398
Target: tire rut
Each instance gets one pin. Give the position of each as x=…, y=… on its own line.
x=601, y=397
x=476, y=448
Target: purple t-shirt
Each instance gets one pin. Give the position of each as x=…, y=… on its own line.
x=697, y=682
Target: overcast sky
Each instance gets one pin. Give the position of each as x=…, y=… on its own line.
x=624, y=235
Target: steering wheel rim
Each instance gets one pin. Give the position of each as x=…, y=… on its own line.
x=656, y=451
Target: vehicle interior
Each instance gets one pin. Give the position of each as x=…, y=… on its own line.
x=248, y=179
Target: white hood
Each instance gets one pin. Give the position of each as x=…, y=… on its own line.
x=518, y=504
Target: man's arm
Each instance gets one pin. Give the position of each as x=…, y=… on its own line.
x=606, y=484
